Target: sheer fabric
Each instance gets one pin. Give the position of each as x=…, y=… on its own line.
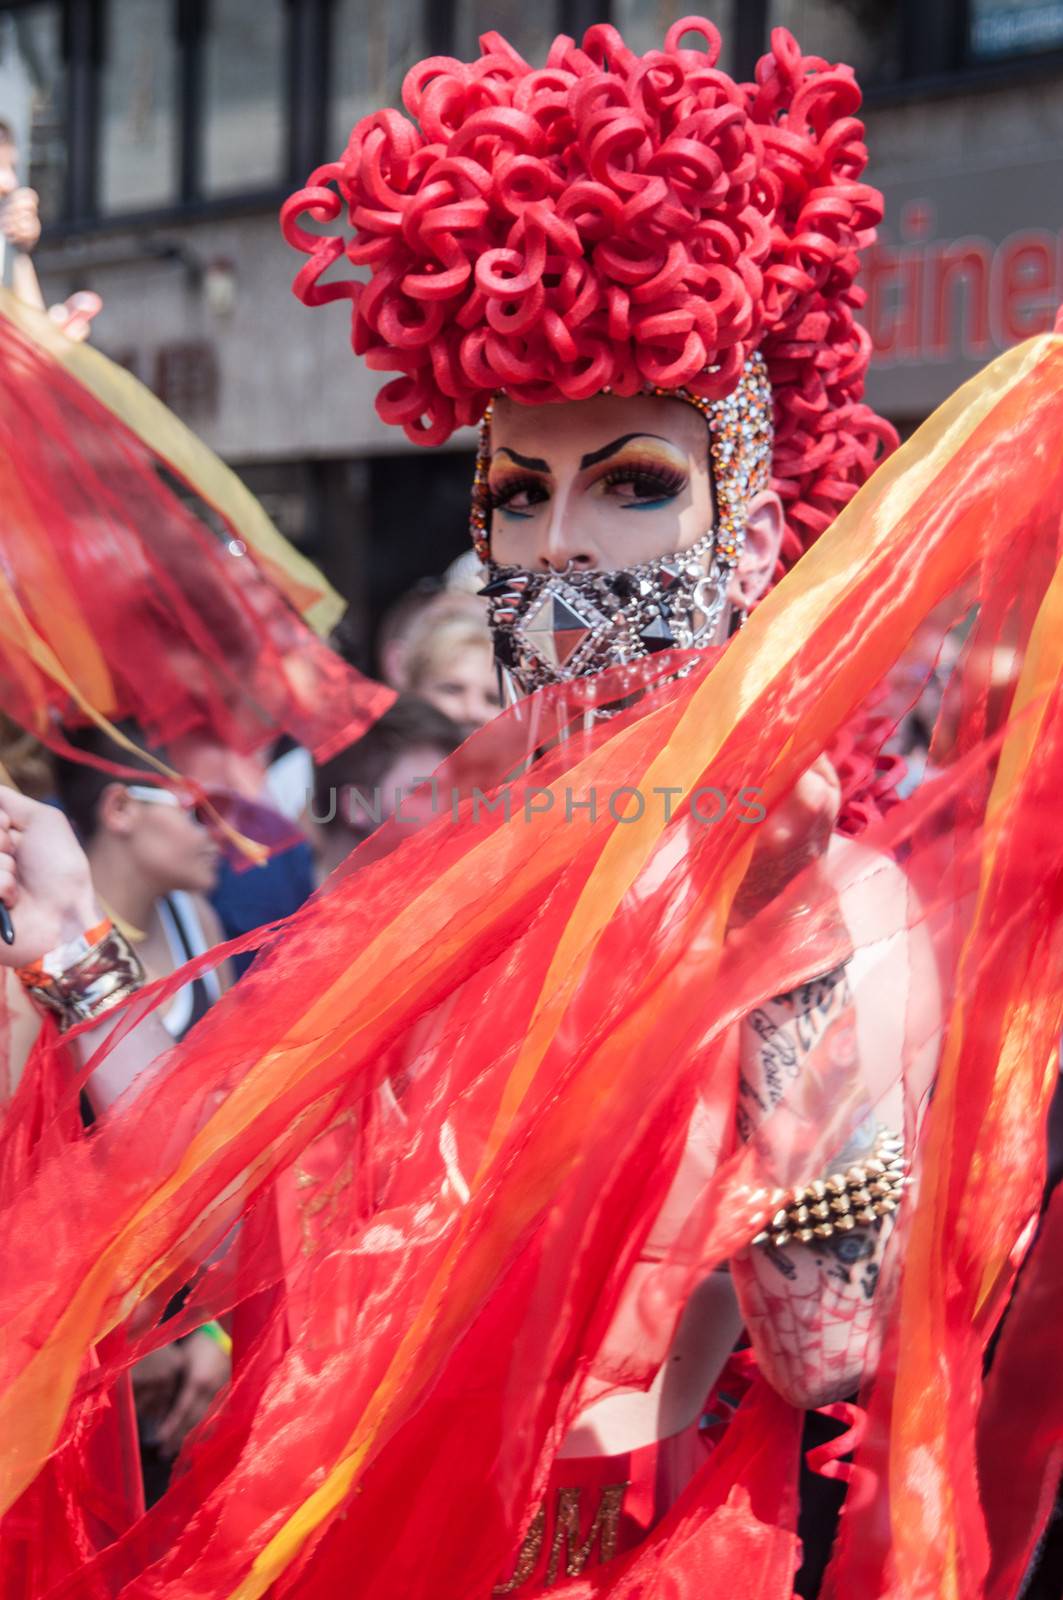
x=482, y=1045
x=138, y=578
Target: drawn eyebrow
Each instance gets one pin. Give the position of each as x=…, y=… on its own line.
x=531, y=463
x=607, y=450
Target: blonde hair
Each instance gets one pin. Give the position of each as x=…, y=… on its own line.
x=452, y=622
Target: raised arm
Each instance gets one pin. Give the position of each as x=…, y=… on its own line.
x=809, y=1307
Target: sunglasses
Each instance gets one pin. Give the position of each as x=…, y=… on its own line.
x=166, y=797
x=255, y=821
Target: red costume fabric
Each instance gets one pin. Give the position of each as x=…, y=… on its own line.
x=491, y=1036
x=139, y=579
x=89, y=1492
x=459, y=1282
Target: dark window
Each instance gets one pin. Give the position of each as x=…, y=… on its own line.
x=33, y=98
x=644, y=25
x=999, y=28
x=373, y=48
x=530, y=29
x=186, y=379
x=190, y=99
x=139, y=134
x=867, y=34
x=245, y=124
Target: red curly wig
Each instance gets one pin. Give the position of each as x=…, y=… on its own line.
x=613, y=221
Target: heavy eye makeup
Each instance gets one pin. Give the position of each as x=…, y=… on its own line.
x=642, y=482
x=640, y=479
x=516, y=494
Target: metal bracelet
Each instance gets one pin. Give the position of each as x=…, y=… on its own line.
x=100, y=979
x=857, y=1198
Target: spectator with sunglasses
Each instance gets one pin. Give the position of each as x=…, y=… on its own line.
x=153, y=863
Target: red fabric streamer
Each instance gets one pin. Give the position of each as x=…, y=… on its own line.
x=118, y=599
x=1021, y=1422
x=478, y=1055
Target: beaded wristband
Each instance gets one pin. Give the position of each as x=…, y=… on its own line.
x=85, y=978
x=853, y=1199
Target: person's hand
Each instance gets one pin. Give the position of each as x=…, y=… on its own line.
x=790, y=838
x=207, y=1368
x=20, y=221
x=156, y=1380
x=44, y=879
x=75, y=314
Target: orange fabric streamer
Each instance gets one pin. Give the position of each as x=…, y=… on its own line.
x=503, y=1024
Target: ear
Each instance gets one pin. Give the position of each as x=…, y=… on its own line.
x=764, y=531
x=115, y=811
x=393, y=663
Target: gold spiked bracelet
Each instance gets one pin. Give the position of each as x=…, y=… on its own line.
x=870, y=1189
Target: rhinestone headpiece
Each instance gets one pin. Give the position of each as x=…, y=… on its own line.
x=551, y=627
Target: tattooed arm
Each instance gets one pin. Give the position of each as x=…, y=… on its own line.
x=809, y=1308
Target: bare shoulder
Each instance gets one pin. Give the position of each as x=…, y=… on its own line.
x=894, y=972
x=876, y=894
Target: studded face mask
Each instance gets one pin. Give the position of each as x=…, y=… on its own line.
x=553, y=627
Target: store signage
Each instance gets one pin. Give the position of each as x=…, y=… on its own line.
x=966, y=264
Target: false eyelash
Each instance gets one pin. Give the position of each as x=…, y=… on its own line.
x=648, y=481
x=502, y=492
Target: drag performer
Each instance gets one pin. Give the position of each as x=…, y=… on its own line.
x=633, y=1045
x=636, y=325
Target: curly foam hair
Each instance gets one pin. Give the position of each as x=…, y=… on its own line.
x=613, y=221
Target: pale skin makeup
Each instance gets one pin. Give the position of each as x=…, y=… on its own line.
x=612, y=482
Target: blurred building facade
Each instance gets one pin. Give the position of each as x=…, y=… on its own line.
x=162, y=135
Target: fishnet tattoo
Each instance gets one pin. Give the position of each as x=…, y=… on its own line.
x=807, y=1308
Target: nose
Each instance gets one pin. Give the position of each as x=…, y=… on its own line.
x=562, y=547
